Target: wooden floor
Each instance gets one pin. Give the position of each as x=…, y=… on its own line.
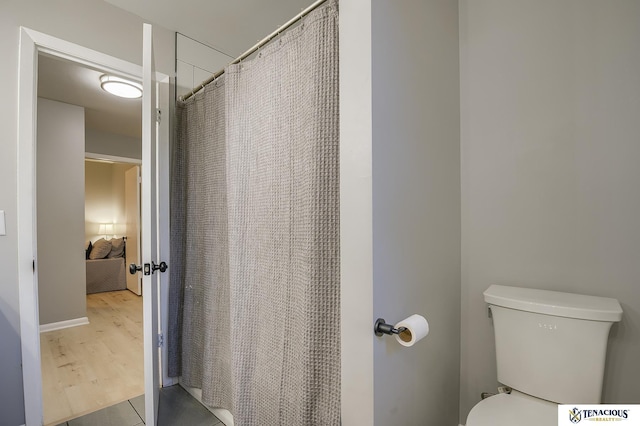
x=89, y=367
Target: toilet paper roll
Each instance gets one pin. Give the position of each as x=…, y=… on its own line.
x=417, y=328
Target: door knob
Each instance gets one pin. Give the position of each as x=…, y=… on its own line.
x=133, y=268
x=162, y=266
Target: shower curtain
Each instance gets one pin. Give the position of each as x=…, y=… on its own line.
x=254, y=293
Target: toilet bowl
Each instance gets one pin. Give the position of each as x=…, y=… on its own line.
x=513, y=409
x=545, y=341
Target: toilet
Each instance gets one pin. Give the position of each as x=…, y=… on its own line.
x=550, y=350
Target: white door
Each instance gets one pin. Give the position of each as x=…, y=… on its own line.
x=132, y=214
x=150, y=276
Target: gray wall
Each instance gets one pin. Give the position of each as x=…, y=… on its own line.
x=416, y=208
x=91, y=23
x=98, y=142
x=550, y=96
x=60, y=216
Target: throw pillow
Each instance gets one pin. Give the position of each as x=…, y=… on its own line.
x=117, y=248
x=100, y=250
x=87, y=249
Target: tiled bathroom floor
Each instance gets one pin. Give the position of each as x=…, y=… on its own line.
x=176, y=407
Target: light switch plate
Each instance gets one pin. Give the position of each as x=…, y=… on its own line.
x=3, y=227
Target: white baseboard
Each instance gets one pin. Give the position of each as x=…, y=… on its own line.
x=63, y=324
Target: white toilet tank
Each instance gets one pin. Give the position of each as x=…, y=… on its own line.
x=551, y=345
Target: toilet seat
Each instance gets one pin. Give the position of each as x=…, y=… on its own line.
x=513, y=409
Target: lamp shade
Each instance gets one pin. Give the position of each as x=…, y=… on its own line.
x=105, y=229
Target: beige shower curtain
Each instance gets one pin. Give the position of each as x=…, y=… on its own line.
x=255, y=234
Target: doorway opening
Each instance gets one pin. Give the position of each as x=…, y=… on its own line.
x=35, y=46
x=90, y=308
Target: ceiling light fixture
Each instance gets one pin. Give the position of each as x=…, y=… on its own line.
x=120, y=87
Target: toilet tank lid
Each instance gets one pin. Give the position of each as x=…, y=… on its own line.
x=555, y=303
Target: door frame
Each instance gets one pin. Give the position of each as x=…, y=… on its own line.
x=138, y=234
x=32, y=43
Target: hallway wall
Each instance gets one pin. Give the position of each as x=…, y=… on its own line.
x=60, y=196
x=98, y=142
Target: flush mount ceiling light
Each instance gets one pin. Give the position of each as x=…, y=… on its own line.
x=120, y=87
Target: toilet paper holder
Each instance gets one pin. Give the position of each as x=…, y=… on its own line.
x=381, y=327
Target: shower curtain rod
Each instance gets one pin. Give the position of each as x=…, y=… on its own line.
x=257, y=46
